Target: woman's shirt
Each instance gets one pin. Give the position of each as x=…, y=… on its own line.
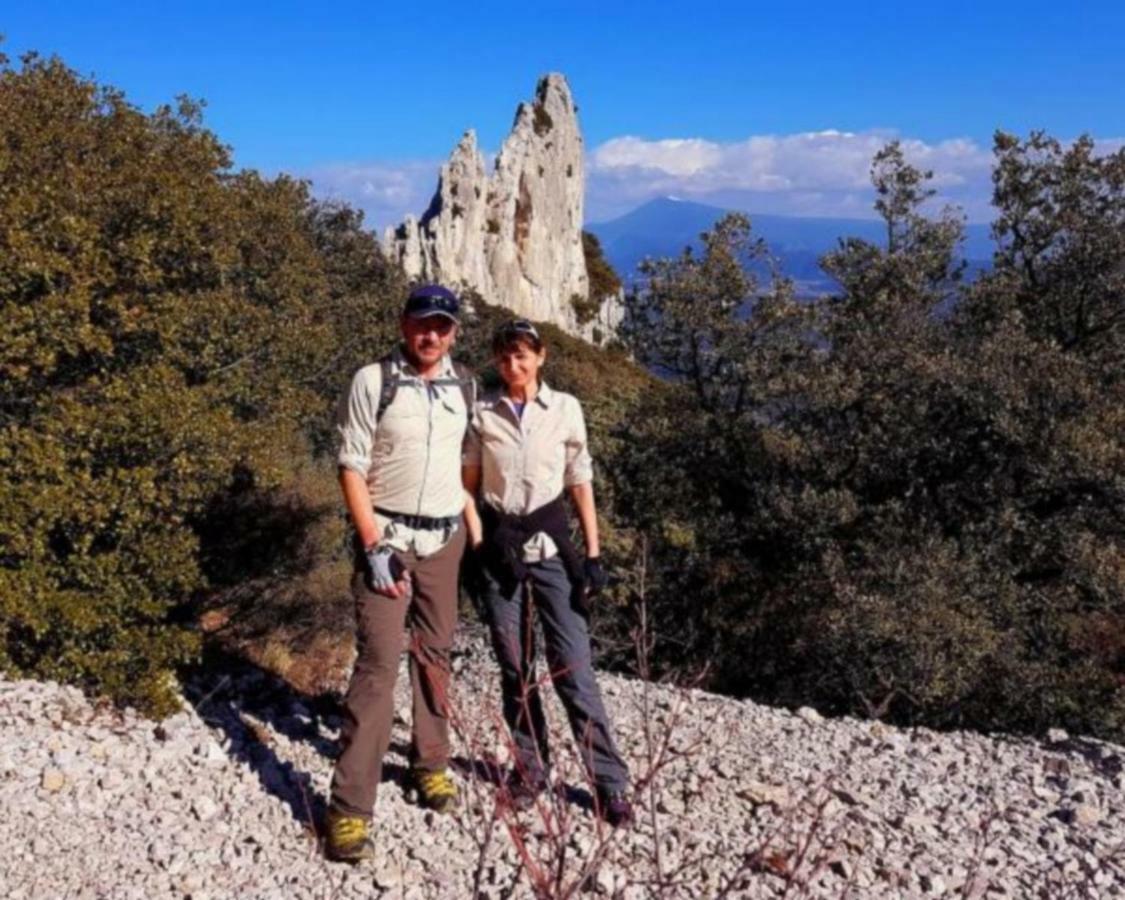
x=527, y=460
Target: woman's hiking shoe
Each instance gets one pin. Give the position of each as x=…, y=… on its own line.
x=349, y=838
x=436, y=790
x=523, y=792
x=614, y=808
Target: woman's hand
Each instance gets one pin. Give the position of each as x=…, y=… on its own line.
x=473, y=578
x=596, y=577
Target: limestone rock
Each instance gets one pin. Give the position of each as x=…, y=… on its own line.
x=204, y=808
x=1086, y=815
x=760, y=793
x=514, y=236
x=52, y=780
x=810, y=715
x=737, y=799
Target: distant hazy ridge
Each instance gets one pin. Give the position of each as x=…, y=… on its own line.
x=664, y=226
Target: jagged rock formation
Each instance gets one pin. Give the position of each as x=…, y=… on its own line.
x=515, y=236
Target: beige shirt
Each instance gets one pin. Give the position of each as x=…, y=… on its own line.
x=412, y=459
x=526, y=461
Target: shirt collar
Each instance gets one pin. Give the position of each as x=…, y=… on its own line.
x=544, y=396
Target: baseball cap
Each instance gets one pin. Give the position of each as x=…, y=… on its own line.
x=432, y=300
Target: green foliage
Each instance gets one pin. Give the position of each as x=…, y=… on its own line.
x=879, y=506
x=603, y=280
x=170, y=326
x=1061, y=228
x=905, y=501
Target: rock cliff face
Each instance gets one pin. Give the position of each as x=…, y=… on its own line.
x=515, y=235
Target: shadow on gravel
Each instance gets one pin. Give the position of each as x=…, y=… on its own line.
x=249, y=704
x=240, y=699
x=493, y=774
x=1100, y=756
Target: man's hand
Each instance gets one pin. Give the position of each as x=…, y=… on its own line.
x=385, y=574
x=596, y=578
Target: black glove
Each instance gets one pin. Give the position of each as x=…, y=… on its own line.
x=595, y=576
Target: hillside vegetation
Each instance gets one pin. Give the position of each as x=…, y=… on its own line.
x=908, y=500
x=173, y=332
x=905, y=501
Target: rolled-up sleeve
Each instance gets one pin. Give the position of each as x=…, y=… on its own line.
x=579, y=466
x=356, y=418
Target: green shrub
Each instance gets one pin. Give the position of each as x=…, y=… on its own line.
x=603, y=281
x=171, y=325
x=877, y=506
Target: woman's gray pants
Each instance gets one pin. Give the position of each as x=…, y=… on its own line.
x=568, y=659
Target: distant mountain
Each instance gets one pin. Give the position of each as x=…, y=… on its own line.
x=664, y=226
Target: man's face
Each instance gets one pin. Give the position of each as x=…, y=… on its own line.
x=429, y=338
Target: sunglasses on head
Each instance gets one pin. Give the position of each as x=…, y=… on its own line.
x=432, y=299
x=519, y=326
x=445, y=304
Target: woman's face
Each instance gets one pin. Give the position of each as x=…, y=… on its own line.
x=519, y=365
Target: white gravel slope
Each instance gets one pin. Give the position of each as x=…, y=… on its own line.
x=742, y=801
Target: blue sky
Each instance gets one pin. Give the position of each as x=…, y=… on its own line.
x=367, y=98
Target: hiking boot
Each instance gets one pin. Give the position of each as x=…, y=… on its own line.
x=523, y=791
x=436, y=790
x=614, y=808
x=349, y=838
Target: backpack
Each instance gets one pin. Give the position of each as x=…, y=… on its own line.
x=463, y=378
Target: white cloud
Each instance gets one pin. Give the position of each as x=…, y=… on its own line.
x=818, y=173
x=684, y=158
x=385, y=192
x=811, y=173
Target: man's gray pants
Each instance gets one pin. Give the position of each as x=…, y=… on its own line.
x=568, y=658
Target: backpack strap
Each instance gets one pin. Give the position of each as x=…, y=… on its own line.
x=463, y=378
x=388, y=389
x=469, y=386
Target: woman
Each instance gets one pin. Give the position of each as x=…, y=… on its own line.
x=526, y=449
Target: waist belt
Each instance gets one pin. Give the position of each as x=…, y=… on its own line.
x=430, y=523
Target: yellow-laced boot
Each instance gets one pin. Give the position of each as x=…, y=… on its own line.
x=349, y=838
x=436, y=790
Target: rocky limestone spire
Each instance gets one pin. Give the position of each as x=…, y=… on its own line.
x=514, y=236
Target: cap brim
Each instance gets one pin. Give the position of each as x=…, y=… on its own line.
x=426, y=313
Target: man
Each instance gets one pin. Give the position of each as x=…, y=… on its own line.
x=402, y=424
